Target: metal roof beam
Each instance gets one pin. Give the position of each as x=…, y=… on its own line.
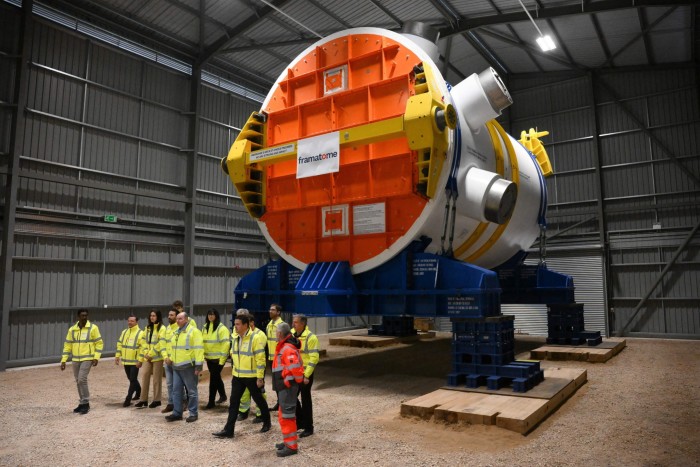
x=387, y=12
x=560, y=42
x=245, y=24
x=195, y=12
x=695, y=26
x=641, y=13
x=601, y=39
x=486, y=52
x=451, y=15
x=123, y=24
x=269, y=45
x=517, y=37
x=640, y=35
x=335, y=17
x=467, y=24
x=527, y=47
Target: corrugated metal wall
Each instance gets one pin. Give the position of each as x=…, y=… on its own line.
x=630, y=138
x=106, y=134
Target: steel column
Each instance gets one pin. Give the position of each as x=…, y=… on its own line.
x=12, y=180
x=191, y=193
x=600, y=194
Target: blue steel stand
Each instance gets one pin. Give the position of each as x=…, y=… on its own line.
x=415, y=283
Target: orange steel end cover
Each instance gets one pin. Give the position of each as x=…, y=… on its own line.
x=372, y=201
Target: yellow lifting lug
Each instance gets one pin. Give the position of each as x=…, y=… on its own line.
x=531, y=141
x=426, y=118
x=247, y=177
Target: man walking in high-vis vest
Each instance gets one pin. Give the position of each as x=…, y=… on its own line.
x=287, y=374
x=187, y=360
x=83, y=345
x=248, y=357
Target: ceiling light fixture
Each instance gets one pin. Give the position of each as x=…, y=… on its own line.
x=545, y=42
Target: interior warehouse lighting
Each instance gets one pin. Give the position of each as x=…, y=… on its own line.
x=545, y=42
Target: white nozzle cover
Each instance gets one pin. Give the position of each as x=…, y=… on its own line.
x=486, y=197
x=480, y=98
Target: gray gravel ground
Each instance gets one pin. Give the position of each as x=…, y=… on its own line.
x=640, y=408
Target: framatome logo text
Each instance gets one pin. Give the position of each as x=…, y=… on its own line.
x=318, y=157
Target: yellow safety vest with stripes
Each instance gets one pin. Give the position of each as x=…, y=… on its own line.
x=272, y=337
x=248, y=355
x=216, y=343
x=154, y=343
x=167, y=350
x=309, y=351
x=130, y=346
x=82, y=344
x=187, y=348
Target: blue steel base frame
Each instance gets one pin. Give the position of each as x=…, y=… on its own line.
x=413, y=283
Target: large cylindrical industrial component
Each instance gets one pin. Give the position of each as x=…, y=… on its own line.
x=361, y=148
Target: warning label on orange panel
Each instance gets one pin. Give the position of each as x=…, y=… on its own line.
x=369, y=218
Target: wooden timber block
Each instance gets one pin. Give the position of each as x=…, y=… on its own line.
x=519, y=412
x=422, y=324
x=424, y=406
x=594, y=354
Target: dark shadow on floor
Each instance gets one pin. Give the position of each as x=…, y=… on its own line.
x=423, y=359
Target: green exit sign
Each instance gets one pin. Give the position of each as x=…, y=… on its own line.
x=110, y=218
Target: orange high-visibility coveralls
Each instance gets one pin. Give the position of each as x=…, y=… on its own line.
x=287, y=374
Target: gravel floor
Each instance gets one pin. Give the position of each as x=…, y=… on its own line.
x=640, y=408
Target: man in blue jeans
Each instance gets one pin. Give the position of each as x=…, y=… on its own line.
x=187, y=360
x=166, y=351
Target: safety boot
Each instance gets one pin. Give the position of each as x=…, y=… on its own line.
x=286, y=451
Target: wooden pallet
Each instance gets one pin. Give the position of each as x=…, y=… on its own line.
x=519, y=412
x=363, y=340
x=595, y=354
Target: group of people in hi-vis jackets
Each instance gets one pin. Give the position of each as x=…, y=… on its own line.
x=179, y=348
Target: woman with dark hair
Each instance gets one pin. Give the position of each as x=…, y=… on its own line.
x=217, y=341
x=153, y=361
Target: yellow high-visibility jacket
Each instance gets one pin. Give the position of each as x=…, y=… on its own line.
x=309, y=351
x=130, y=346
x=217, y=343
x=82, y=344
x=167, y=350
x=248, y=355
x=272, y=337
x=154, y=343
x=187, y=348
x=259, y=334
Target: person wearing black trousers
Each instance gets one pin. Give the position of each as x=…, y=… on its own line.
x=217, y=342
x=248, y=356
x=130, y=354
x=310, y=355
